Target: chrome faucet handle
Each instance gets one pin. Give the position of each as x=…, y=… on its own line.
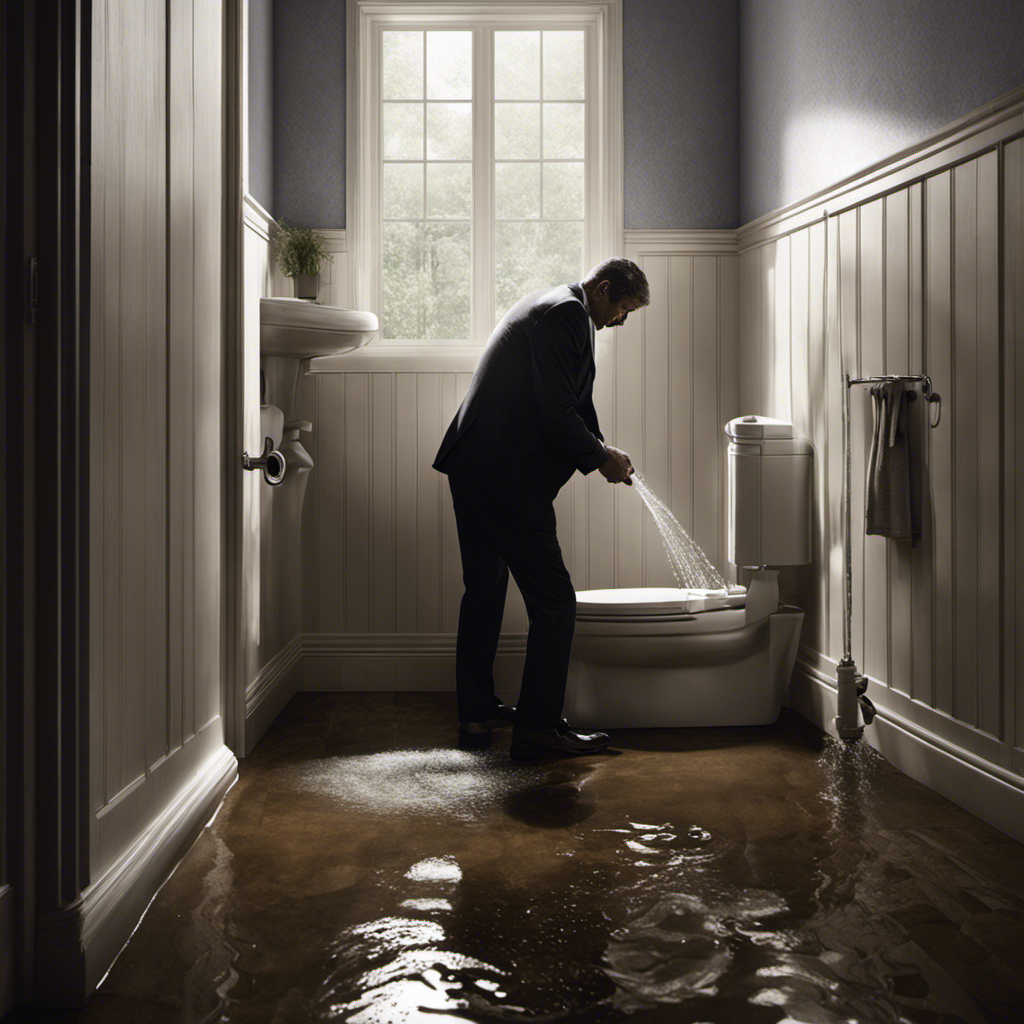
x=271, y=462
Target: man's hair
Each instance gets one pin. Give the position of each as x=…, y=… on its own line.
x=624, y=277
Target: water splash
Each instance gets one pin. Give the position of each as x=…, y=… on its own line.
x=690, y=565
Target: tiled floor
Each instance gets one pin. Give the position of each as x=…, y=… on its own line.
x=364, y=870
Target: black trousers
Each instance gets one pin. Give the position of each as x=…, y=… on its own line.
x=492, y=544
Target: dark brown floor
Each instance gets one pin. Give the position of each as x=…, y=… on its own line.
x=363, y=870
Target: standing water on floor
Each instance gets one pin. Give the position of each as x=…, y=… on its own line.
x=690, y=565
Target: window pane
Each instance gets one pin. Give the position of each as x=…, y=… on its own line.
x=516, y=131
x=449, y=131
x=403, y=191
x=426, y=281
x=517, y=65
x=450, y=66
x=449, y=192
x=563, y=131
x=563, y=191
x=533, y=254
x=402, y=72
x=563, y=66
x=516, y=191
x=402, y=131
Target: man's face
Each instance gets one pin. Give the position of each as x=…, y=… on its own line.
x=611, y=314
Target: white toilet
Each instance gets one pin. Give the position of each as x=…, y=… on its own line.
x=654, y=657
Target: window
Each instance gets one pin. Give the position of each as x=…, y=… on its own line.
x=480, y=153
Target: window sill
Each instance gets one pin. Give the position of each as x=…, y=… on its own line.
x=383, y=358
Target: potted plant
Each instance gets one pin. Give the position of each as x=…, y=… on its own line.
x=300, y=253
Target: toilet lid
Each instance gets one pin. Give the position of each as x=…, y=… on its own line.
x=648, y=603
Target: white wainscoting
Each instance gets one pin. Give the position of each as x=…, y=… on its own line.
x=158, y=761
x=381, y=560
x=916, y=282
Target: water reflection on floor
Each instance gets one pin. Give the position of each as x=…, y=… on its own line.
x=719, y=875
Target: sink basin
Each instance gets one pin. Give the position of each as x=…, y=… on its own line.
x=301, y=329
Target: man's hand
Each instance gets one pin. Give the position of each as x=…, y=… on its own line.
x=617, y=468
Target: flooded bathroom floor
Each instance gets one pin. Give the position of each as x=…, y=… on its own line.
x=363, y=869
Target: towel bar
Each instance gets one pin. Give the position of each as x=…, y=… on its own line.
x=922, y=378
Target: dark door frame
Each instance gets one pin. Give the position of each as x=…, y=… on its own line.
x=45, y=628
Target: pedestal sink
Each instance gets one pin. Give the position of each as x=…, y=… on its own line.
x=292, y=330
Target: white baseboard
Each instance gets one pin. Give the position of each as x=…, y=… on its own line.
x=76, y=945
x=987, y=790
x=399, y=661
x=275, y=684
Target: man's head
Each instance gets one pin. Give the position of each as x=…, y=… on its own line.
x=615, y=288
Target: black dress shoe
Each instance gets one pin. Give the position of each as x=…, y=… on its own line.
x=529, y=743
x=476, y=735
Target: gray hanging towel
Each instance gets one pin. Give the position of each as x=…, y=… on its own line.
x=888, y=483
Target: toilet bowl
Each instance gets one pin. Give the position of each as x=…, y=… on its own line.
x=651, y=657
x=659, y=657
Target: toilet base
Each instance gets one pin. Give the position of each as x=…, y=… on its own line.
x=746, y=691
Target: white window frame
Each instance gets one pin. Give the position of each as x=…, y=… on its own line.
x=603, y=229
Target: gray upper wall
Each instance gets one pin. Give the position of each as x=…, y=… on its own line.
x=261, y=102
x=309, y=112
x=680, y=85
x=680, y=106
x=732, y=108
x=828, y=87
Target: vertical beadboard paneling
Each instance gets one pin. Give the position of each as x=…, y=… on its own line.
x=704, y=401
x=428, y=532
x=451, y=560
x=382, y=471
x=782, y=400
x=989, y=627
x=180, y=222
x=406, y=570
x=113, y=180
x=728, y=386
x=833, y=452
x=921, y=585
x=897, y=360
x=653, y=462
x=801, y=579
x=965, y=442
x=209, y=468
x=817, y=607
x=749, y=264
x=1013, y=463
x=990, y=697
x=330, y=500
x=600, y=496
x=356, y=495
x=915, y=279
x=630, y=355
x=938, y=332
x=134, y=345
x=306, y=406
x=157, y=447
x=680, y=316
x=872, y=343
x=860, y=417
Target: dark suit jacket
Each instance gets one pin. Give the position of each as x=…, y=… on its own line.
x=528, y=420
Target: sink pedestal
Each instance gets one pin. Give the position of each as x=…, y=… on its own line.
x=281, y=377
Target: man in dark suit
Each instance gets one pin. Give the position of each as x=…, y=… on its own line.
x=526, y=424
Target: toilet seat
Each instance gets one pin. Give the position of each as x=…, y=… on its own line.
x=653, y=603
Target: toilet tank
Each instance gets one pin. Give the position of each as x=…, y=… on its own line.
x=768, y=493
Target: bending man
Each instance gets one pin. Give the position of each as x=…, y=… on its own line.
x=526, y=424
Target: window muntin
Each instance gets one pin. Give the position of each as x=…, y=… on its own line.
x=527, y=211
